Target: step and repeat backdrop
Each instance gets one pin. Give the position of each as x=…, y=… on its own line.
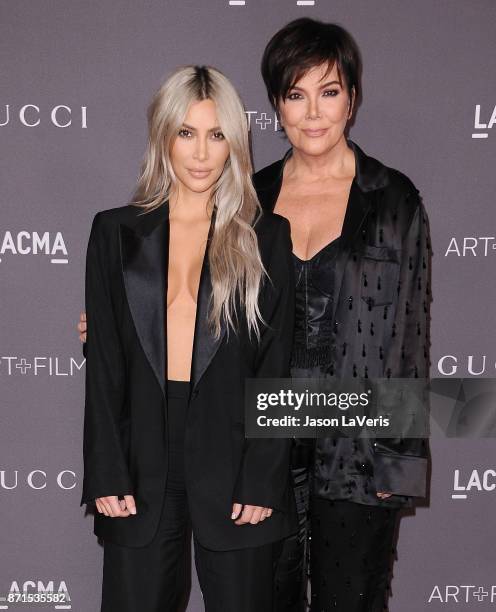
x=75, y=81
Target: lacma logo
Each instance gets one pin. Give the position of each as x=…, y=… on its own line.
x=476, y=481
x=479, y=122
x=33, y=243
x=52, y=593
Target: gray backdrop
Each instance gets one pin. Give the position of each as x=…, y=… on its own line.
x=75, y=80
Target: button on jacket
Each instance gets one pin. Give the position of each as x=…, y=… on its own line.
x=379, y=320
x=125, y=422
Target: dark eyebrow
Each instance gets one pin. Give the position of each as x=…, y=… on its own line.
x=190, y=127
x=321, y=87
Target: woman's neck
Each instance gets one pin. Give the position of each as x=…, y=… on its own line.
x=188, y=205
x=337, y=163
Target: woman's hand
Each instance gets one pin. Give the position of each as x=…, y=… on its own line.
x=112, y=506
x=250, y=514
x=383, y=495
x=81, y=327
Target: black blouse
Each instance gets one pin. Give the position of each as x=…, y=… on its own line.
x=351, y=474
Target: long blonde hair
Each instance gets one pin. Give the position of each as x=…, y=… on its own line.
x=235, y=265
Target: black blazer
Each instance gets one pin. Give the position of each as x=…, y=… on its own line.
x=380, y=321
x=125, y=423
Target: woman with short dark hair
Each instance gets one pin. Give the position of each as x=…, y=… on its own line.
x=361, y=257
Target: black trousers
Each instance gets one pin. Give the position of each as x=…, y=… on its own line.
x=350, y=555
x=156, y=577
x=345, y=549
x=291, y=579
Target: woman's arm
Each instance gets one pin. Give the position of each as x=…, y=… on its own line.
x=264, y=472
x=81, y=328
x=105, y=468
x=400, y=464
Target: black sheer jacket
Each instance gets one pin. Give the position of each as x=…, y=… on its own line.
x=372, y=321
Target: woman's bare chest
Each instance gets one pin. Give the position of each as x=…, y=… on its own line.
x=316, y=216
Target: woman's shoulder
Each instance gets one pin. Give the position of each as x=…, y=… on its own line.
x=265, y=177
x=399, y=199
x=269, y=223
x=395, y=195
x=402, y=198
x=373, y=174
x=120, y=214
x=400, y=184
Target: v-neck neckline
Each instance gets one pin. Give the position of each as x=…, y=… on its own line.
x=319, y=252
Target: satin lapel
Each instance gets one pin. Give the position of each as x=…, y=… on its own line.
x=144, y=259
x=268, y=192
x=268, y=196
x=359, y=204
x=204, y=344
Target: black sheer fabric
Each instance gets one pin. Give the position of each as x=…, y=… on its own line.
x=349, y=469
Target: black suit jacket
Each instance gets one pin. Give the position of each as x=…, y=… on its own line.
x=380, y=321
x=125, y=422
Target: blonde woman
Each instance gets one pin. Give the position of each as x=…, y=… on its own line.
x=189, y=290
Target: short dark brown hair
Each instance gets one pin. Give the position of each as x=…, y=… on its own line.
x=304, y=44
